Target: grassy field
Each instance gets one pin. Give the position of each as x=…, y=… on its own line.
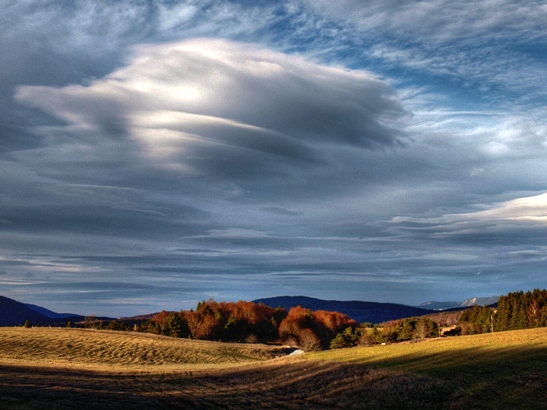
x=44, y=368
x=495, y=370
x=110, y=350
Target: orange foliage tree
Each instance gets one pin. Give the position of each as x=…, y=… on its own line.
x=236, y=321
x=313, y=330
x=246, y=321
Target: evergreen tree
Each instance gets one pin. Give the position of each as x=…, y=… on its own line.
x=347, y=338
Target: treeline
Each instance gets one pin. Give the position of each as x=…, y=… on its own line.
x=245, y=322
x=517, y=310
x=255, y=322
x=367, y=334
x=411, y=328
x=258, y=323
x=250, y=322
x=226, y=321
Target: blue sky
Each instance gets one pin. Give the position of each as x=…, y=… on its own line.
x=155, y=154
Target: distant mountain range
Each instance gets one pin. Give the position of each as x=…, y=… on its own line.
x=13, y=313
x=492, y=300
x=360, y=311
x=372, y=311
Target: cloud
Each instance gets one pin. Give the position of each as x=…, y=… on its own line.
x=57, y=43
x=533, y=209
x=514, y=220
x=442, y=20
x=210, y=92
x=226, y=112
x=460, y=41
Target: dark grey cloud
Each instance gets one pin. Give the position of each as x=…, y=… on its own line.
x=154, y=154
x=101, y=220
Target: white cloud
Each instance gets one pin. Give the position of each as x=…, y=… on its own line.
x=485, y=47
x=532, y=208
x=179, y=14
x=504, y=216
x=441, y=20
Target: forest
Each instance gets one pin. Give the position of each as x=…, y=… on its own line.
x=251, y=322
x=517, y=310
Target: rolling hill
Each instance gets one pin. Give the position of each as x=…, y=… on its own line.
x=49, y=313
x=67, y=369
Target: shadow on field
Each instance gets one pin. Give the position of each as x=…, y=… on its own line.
x=489, y=377
x=283, y=385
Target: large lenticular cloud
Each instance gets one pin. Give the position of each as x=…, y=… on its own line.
x=202, y=98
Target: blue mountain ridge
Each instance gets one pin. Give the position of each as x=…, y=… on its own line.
x=374, y=312
x=50, y=313
x=13, y=313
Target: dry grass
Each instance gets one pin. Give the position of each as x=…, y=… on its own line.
x=291, y=384
x=107, y=350
x=70, y=368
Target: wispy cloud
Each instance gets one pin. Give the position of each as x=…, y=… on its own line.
x=460, y=41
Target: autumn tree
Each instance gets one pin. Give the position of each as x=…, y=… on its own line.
x=309, y=341
x=324, y=325
x=237, y=321
x=90, y=321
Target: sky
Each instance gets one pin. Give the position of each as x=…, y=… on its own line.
x=154, y=154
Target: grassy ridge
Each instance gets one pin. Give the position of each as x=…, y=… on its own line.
x=499, y=370
x=108, y=349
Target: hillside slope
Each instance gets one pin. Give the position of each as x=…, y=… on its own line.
x=51, y=314
x=13, y=313
x=75, y=368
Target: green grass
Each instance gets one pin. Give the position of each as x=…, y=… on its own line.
x=499, y=370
